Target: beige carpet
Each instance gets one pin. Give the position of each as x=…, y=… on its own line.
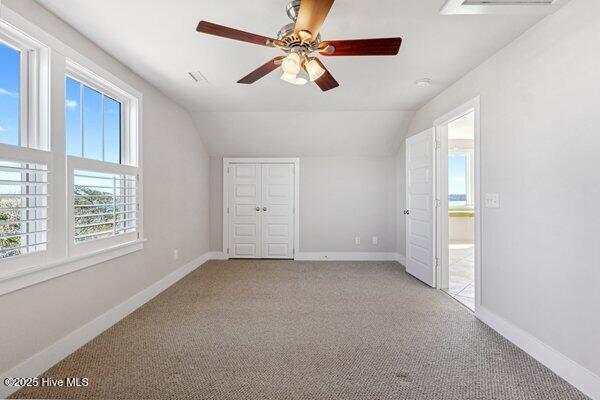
x=303, y=330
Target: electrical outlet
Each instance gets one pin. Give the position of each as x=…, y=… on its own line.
x=375, y=240
x=357, y=240
x=175, y=254
x=492, y=200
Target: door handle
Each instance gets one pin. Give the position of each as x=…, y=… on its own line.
x=406, y=212
x=257, y=208
x=264, y=208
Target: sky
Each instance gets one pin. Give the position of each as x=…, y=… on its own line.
x=9, y=95
x=100, y=113
x=457, y=173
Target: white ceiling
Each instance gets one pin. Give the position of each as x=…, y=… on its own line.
x=157, y=39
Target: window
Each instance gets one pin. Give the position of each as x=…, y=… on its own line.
x=93, y=123
x=23, y=163
x=103, y=177
x=62, y=209
x=459, y=180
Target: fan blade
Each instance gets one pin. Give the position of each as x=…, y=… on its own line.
x=230, y=33
x=261, y=71
x=311, y=16
x=326, y=81
x=361, y=47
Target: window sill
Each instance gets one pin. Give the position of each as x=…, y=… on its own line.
x=34, y=275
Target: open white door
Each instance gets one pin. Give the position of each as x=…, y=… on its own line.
x=420, y=210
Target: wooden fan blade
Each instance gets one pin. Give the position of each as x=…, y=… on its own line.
x=361, y=47
x=230, y=33
x=261, y=71
x=311, y=16
x=326, y=81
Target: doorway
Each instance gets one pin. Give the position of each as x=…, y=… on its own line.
x=458, y=234
x=260, y=203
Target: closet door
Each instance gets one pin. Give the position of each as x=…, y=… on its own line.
x=277, y=209
x=245, y=211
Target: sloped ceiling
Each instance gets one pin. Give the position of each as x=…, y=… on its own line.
x=157, y=39
x=328, y=133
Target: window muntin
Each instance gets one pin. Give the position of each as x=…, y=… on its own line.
x=93, y=123
x=10, y=87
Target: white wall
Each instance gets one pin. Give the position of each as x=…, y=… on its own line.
x=340, y=198
x=176, y=216
x=539, y=150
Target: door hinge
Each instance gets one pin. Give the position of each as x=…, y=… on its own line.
x=437, y=262
x=436, y=144
x=437, y=202
x=227, y=170
x=293, y=252
x=227, y=210
x=228, y=250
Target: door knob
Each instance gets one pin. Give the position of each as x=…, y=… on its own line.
x=257, y=208
x=264, y=208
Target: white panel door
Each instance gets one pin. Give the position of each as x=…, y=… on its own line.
x=244, y=211
x=277, y=210
x=420, y=210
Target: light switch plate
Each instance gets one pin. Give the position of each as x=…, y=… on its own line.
x=357, y=240
x=492, y=200
x=375, y=240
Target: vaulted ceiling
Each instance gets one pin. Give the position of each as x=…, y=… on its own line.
x=157, y=39
x=366, y=115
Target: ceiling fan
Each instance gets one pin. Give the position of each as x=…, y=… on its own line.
x=300, y=40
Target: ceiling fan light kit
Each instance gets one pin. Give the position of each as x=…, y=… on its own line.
x=299, y=40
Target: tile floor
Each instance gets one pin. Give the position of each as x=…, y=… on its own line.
x=462, y=273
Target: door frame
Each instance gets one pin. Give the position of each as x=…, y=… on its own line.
x=227, y=161
x=441, y=136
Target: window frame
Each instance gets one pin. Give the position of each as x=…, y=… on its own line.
x=34, y=139
x=46, y=114
x=128, y=165
x=128, y=103
x=87, y=247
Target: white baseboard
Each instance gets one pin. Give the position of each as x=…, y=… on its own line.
x=346, y=256
x=577, y=375
x=41, y=361
x=218, y=255
x=401, y=258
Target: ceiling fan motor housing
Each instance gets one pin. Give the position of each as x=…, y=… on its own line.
x=292, y=9
x=293, y=41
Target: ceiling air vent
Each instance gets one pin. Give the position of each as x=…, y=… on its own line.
x=198, y=77
x=457, y=7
